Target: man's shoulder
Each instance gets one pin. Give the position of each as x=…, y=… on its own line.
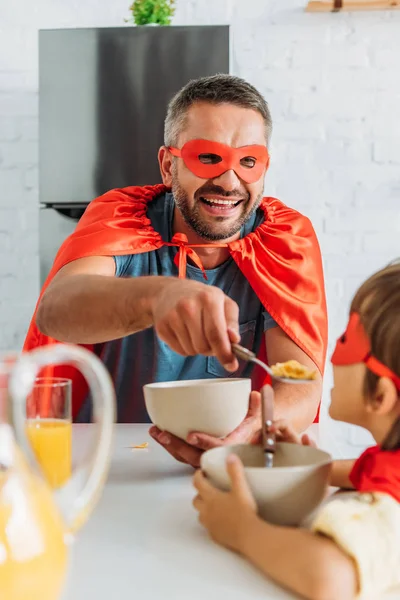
x=133, y=193
x=279, y=214
x=277, y=208
x=121, y=203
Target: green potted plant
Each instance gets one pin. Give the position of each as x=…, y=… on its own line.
x=152, y=12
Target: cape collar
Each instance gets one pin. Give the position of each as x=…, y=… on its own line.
x=186, y=250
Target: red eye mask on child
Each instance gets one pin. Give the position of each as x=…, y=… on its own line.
x=209, y=160
x=354, y=347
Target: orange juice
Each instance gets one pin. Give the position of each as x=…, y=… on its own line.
x=51, y=441
x=33, y=552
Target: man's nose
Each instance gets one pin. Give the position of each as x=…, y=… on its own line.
x=228, y=180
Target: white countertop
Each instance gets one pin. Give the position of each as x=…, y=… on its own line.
x=143, y=540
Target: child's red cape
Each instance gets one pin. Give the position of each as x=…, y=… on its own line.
x=281, y=260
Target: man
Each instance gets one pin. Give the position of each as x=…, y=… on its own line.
x=122, y=285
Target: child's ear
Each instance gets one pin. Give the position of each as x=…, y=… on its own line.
x=385, y=397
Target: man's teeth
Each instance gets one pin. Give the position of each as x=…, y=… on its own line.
x=218, y=201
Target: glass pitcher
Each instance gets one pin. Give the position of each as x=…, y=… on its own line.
x=36, y=524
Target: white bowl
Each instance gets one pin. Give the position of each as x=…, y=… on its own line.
x=285, y=494
x=213, y=406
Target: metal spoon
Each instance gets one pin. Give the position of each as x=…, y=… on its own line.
x=267, y=419
x=249, y=356
x=267, y=402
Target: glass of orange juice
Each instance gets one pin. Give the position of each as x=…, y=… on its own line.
x=49, y=427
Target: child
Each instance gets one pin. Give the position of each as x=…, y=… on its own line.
x=353, y=548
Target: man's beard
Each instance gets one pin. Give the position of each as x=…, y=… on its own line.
x=192, y=216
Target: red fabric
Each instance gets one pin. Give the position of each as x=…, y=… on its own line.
x=378, y=470
x=354, y=347
x=281, y=261
x=230, y=158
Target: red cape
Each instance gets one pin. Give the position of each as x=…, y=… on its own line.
x=281, y=260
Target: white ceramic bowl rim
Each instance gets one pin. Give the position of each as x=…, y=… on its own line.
x=294, y=468
x=194, y=382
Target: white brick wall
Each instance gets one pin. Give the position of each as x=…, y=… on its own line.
x=333, y=84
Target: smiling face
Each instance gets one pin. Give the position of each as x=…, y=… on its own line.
x=216, y=208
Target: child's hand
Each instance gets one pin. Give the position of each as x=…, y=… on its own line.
x=285, y=433
x=225, y=514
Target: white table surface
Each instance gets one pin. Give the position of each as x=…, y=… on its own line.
x=143, y=540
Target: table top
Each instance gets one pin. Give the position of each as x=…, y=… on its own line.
x=144, y=541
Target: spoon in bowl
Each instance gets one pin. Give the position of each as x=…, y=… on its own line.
x=267, y=402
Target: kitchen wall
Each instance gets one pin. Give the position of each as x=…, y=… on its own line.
x=333, y=84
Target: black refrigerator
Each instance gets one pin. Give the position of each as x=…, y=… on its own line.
x=103, y=95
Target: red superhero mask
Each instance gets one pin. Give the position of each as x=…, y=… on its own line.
x=209, y=160
x=354, y=347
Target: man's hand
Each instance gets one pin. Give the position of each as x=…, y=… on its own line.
x=194, y=318
x=190, y=452
x=226, y=515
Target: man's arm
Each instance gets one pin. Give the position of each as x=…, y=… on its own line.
x=86, y=304
x=296, y=403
